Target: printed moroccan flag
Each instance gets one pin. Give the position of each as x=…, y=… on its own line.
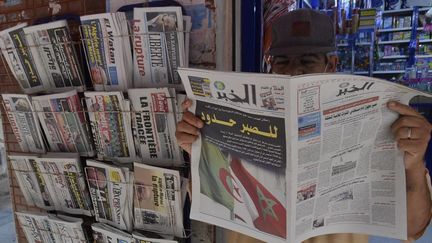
x=215, y=183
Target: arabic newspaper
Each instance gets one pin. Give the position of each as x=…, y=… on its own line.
x=110, y=121
x=157, y=200
x=104, y=38
x=52, y=42
x=140, y=238
x=24, y=122
x=158, y=42
x=111, y=192
x=25, y=66
x=66, y=229
x=63, y=122
x=330, y=160
x=65, y=180
x=154, y=124
x=103, y=233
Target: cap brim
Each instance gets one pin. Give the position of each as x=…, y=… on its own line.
x=299, y=50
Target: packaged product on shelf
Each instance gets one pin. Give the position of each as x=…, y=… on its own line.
x=108, y=50
x=24, y=122
x=157, y=200
x=158, y=34
x=26, y=67
x=407, y=22
x=63, y=122
x=387, y=22
x=111, y=192
x=154, y=125
x=103, y=233
x=110, y=121
x=52, y=42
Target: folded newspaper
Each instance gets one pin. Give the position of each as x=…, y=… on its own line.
x=110, y=121
x=25, y=66
x=64, y=123
x=103, y=233
x=150, y=238
x=284, y=159
x=108, y=50
x=154, y=125
x=157, y=200
x=50, y=228
x=111, y=192
x=54, y=52
x=24, y=122
x=159, y=48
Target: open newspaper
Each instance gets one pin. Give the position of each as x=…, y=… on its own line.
x=50, y=228
x=51, y=42
x=110, y=121
x=108, y=50
x=283, y=159
x=111, y=192
x=154, y=124
x=158, y=43
x=25, y=66
x=157, y=200
x=64, y=123
x=24, y=122
x=103, y=233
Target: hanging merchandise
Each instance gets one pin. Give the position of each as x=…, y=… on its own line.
x=393, y=4
x=418, y=3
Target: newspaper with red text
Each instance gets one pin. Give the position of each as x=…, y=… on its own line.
x=284, y=159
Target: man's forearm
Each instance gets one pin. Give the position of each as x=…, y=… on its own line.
x=418, y=200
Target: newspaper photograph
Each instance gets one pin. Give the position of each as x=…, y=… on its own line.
x=24, y=65
x=157, y=200
x=103, y=233
x=63, y=122
x=337, y=163
x=150, y=238
x=110, y=121
x=111, y=192
x=66, y=229
x=24, y=122
x=158, y=43
x=54, y=45
x=35, y=226
x=154, y=125
x=65, y=180
x=103, y=37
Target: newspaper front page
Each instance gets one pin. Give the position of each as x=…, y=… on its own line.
x=158, y=42
x=104, y=38
x=52, y=42
x=157, y=200
x=25, y=66
x=336, y=167
x=24, y=122
x=154, y=124
x=63, y=122
x=67, y=229
x=66, y=183
x=111, y=192
x=110, y=121
x=103, y=233
x=36, y=227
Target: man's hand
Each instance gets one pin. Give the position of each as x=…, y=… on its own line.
x=412, y=133
x=188, y=128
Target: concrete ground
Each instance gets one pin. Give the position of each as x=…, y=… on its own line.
x=7, y=224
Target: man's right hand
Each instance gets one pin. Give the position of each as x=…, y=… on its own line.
x=188, y=128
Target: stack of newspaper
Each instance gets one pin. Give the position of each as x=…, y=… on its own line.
x=159, y=48
x=50, y=228
x=111, y=192
x=110, y=121
x=154, y=125
x=148, y=237
x=158, y=202
x=107, y=45
x=26, y=68
x=53, y=182
x=24, y=122
x=53, y=45
x=64, y=123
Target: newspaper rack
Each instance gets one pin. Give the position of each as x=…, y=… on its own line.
x=56, y=207
x=137, y=190
x=57, y=235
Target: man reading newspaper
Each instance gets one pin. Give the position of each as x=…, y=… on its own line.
x=304, y=43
